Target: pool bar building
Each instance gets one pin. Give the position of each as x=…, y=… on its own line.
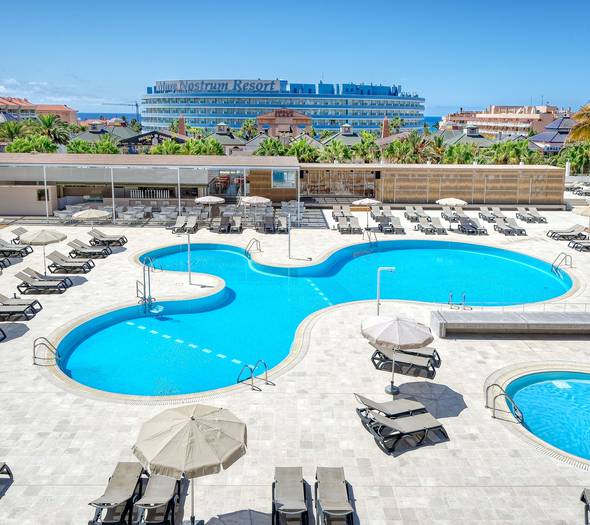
x=39, y=184
x=206, y=103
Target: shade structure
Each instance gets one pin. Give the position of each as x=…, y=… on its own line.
x=583, y=211
x=42, y=238
x=210, y=199
x=191, y=441
x=366, y=202
x=399, y=333
x=451, y=201
x=90, y=215
x=254, y=199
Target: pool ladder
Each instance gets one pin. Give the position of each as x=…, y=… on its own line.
x=371, y=236
x=47, y=345
x=253, y=243
x=143, y=288
x=562, y=259
x=516, y=412
x=251, y=375
x=459, y=306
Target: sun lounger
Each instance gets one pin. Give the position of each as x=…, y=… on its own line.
x=31, y=285
x=585, y=499
x=438, y=227
x=178, y=226
x=332, y=496
x=498, y=213
x=282, y=226
x=53, y=278
x=11, y=250
x=159, y=501
x=343, y=226
x=11, y=301
x=421, y=213
x=5, y=470
x=386, y=210
x=397, y=225
x=355, y=227
x=536, y=215
x=2, y=337
x=62, y=264
x=385, y=224
x=375, y=212
x=269, y=223
x=486, y=214
x=236, y=224
x=580, y=246
x=191, y=224
x=424, y=226
x=80, y=249
x=4, y=262
x=459, y=212
x=289, y=497
x=466, y=226
x=336, y=211
x=215, y=224
x=568, y=234
x=398, y=407
x=405, y=364
x=449, y=215
x=524, y=215
x=346, y=210
x=411, y=214
x=517, y=229
x=503, y=227
x=122, y=490
x=389, y=432
x=17, y=232
x=480, y=229
x=13, y=311
x=97, y=237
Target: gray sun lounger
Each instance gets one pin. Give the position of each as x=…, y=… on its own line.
x=385, y=224
x=5, y=470
x=336, y=211
x=410, y=214
x=80, y=249
x=405, y=364
x=159, y=501
x=386, y=210
x=585, y=499
x=289, y=497
x=31, y=285
x=415, y=429
x=486, y=214
x=122, y=490
x=579, y=246
x=498, y=213
x=13, y=311
x=355, y=227
x=236, y=224
x=569, y=234
x=536, y=215
x=346, y=210
x=449, y=215
x=503, y=227
x=524, y=215
x=34, y=274
x=282, y=225
x=375, y=212
x=398, y=407
x=11, y=301
x=2, y=337
x=424, y=226
x=343, y=226
x=191, y=224
x=13, y=250
x=480, y=230
x=333, y=497
x=421, y=213
x=397, y=225
x=438, y=227
x=62, y=264
x=178, y=226
x=518, y=230
x=17, y=232
x=467, y=226
x=4, y=263
x=97, y=237
x=459, y=212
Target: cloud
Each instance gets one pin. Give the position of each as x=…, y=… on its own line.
x=3, y=89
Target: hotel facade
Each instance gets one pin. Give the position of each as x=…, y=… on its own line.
x=206, y=103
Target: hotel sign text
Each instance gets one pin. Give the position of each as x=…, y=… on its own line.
x=218, y=86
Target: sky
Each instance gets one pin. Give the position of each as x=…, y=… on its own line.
x=455, y=53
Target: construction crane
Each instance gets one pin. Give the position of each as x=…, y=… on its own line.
x=130, y=104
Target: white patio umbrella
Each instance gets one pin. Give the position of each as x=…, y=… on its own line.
x=583, y=211
x=397, y=333
x=209, y=200
x=42, y=238
x=91, y=215
x=254, y=199
x=451, y=201
x=366, y=202
x=191, y=441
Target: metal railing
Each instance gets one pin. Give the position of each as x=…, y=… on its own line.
x=143, y=289
x=458, y=306
x=43, y=342
x=562, y=259
x=557, y=307
x=371, y=236
x=516, y=412
x=252, y=375
x=252, y=244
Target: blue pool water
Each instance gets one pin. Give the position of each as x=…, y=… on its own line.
x=197, y=345
x=556, y=408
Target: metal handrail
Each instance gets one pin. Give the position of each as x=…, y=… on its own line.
x=43, y=342
x=252, y=375
x=562, y=258
x=252, y=243
x=517, y=413
x=372, y=239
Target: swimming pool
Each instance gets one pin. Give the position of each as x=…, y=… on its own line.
x=556, y=408
x=198, y=345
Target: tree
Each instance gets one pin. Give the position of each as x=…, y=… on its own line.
x=166, y=147
x=32, y=143
x=106, y=146
x=249, y=129
x=51, y=126
x=367, y=149
x=197, y=133
x=304, y=151
x=79, y=146
x=335, y=151
x=578, y=155
x=173, y=126
x=311, y=132
x=426, y=129
x=271, y=147
x=435, y=149
x=324, y=134
x=396, y=124
x=581, y=131
x=135, y=125
x=461, y=154
x=12, y=129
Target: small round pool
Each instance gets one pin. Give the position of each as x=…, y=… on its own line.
x=556, y=408
x=183, y=347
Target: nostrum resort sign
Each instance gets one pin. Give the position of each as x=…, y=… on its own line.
x=218, y=86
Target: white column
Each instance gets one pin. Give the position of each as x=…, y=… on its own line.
x=178, y=187
x=568, y=168
x=46, y=196
x=298, y=196
x=113, y=208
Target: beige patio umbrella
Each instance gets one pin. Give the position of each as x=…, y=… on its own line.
x=254, y=199
x=91, y=215
x=42, y=238
x=398, y=333
x=451, y=201
x=191, y=441
x=366, y=202
x=584, y=211
x=209, y=200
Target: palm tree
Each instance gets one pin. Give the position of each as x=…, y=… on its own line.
x=249, y=129
x=324, y=134
x=435, y=149
x=211, y=146
x=272, y=147
x=106, y=146
x=396, y=124
x=335, y=151
x=367, y=149
x=577, y=154
x=173, y=126
x=51, y=126
x=167, y=147
x=304, y=151
x=11, y=130
x=461, y=154
x=581, y=131
x=32, y=144
x=79, y=146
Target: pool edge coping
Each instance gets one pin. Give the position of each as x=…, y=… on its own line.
x=504, y=376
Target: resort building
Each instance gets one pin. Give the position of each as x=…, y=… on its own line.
x=159, y=180
x=553, y=137
x=502, y=120
x=12, y=108
x=468, y=135
x=206, y=103
x=65, y=113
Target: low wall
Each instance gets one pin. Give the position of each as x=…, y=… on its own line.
x=26, y=200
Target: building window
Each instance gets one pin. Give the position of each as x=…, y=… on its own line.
x=284, y=179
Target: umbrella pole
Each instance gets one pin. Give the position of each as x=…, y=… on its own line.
x=44, y=262
x=392, y=389
x=192, y=502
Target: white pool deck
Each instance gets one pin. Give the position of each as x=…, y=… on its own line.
x=62, y=446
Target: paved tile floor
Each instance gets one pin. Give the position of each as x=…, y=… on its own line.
x=62, y=446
